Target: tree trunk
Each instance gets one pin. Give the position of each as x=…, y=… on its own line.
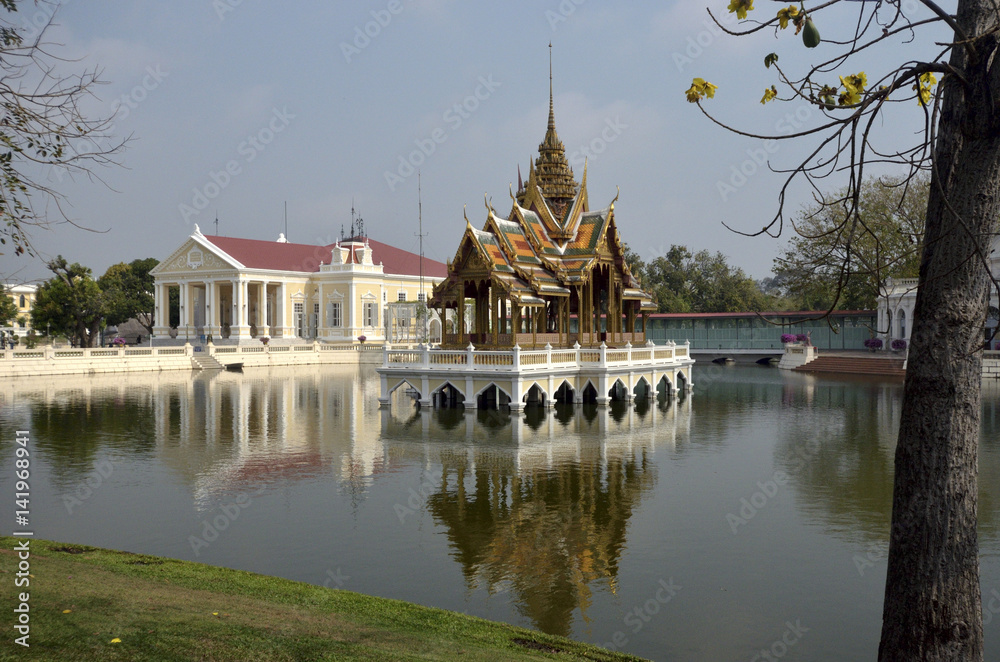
x=932, y=608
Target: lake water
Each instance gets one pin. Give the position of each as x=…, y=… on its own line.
x=752, y=514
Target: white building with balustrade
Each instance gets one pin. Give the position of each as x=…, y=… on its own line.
x=895, y=306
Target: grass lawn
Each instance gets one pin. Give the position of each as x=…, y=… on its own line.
x=162, y=609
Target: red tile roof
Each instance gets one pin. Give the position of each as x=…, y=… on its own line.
x=277, y=256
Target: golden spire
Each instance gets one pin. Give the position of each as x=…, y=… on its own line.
x=555, y=177
x=552, y=112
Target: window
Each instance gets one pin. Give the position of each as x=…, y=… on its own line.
x=333, y=314
x=401, y=296
x=422, y=298
x=300, y=307
x=371, y=314
x=22, y=301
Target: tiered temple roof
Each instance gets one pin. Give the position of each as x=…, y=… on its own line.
x=550, y=241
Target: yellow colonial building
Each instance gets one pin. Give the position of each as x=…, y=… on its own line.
x=239, y=289
x=24, y=299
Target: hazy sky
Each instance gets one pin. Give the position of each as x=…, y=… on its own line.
x=237, y=106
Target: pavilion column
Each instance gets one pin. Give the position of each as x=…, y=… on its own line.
x=460, y=315
x=503, y=313
x=534, y=327
x=495, y=300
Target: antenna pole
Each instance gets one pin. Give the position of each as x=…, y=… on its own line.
x=420, y=234
x=286, y=220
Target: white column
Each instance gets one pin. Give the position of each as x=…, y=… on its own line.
x=263, y=323
x=279, y=308
x=162, y=300
x=183, y=320
x=241, y=328
x=351, y=315
x=210, y=307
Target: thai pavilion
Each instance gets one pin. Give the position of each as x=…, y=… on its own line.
x=549, y=293
x=550, y=263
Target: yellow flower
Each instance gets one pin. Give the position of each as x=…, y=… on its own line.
x=849, y=98
x=923, y=87
x=769, y=94
x=700, y=88
x=855, y=83
x=784, y=15
x=215, y=613
x=741, y=7
x=116, y=640
x=66, y=611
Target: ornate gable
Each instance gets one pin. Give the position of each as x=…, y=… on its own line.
x=195, y=256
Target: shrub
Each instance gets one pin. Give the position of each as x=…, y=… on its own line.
x=362, y=339
x=898, y=344
x=873, y=343
x=118, y=342
x=787, y=338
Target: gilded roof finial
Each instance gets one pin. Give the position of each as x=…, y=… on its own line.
x=552, y=113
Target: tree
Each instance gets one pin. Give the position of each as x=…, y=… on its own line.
x=932, y=608
x=887, y=245
x=70, y=303
x=43, y=131
x=128, y=292
x=8, y=309
x=682, y=282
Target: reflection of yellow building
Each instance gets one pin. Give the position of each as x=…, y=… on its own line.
x=24, y=299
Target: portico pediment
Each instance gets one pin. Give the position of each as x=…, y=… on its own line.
x=194, y=257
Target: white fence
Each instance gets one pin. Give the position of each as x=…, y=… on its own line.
x=63, y=361
x=543, y=360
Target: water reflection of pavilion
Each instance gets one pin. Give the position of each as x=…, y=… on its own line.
x=539, y=505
